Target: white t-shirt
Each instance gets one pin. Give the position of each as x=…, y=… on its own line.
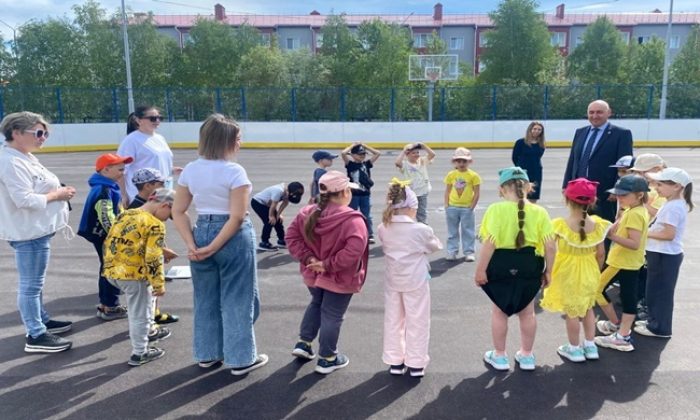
x=418, y=174
x=273, y=193
x=210, y=182
x=148, y=152
x=674, y=213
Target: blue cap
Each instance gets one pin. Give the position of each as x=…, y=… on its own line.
x=630, y=184
x=322, y=154
x=514, y=172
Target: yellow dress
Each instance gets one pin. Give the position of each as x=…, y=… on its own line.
x=576, y=272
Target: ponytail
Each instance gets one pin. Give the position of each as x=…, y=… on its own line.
x=519, y=191
x=582, y=223
x=396, y=194
x=688, y=196
x=310, y=224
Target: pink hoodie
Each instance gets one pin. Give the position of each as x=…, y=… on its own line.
x=340, y=242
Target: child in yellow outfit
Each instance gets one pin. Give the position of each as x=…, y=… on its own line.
x=461, y=196
x=576, y=271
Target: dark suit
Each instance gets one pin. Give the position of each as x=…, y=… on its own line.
x=614, y=143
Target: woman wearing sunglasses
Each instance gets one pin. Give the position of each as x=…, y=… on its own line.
x=148, y=148
x=33, y=207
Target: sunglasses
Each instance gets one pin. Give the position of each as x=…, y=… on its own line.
x=153, y=118
x=39, y=133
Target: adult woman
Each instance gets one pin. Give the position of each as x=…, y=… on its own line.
x=527, y=154
x=33, y=207
x=221, y=250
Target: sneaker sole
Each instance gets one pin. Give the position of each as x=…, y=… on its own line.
x=106, y=317
x=525, y=367
x=398, y=372
x=259, y=362
x=645, y=332
x=42, y=349
x=327, y=370
x=615, y=346
x=59, y=330
x=267, y=249
x=589, y=357
x=501, y=368
x=570, y=358
x=141, y=363
x=303, y=354
x=417, y=374
x=207, y=365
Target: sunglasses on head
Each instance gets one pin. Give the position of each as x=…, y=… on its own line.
x=153, y=118
x=38, y=133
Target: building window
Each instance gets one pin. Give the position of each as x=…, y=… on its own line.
x=319, y=39
x=456, y=43
x=675, y=42
x=483, y=42
x=625, y=36
x=292, y=43
x=265, y=39
x=558, y=39
x=454, y=69
x=579, y=40
x=420, y=40
x=482, y=66
x=643, y=39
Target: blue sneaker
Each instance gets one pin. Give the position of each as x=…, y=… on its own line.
x=591, y=352
x=325, y=366
x=525, y=362
x=574, y=353
x=303, y=350
x=497, y=362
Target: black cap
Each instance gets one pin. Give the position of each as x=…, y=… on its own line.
x=294, y=192
x=358, y=149
x=630, y=184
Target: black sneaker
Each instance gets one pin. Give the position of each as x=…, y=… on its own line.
x=259, y=362
x=58, y=327
x=150, y=355
x=303, y=350
x=158, y=334
x=371, y=239
x=266, y=246
x=281, y=243
x=398, y=369
x=416, y=372
x=165, y=318
x=46, y=343
x=325, y=366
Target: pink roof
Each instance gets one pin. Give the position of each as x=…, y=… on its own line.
x=271, y=21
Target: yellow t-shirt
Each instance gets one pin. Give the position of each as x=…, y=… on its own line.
x=655, y=199
x=462, y=184
x=133, y=249
x=636, y=218
x=500, y=225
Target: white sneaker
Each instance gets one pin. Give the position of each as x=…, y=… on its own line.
x=451, y=257
x=644, y=330
x=470, y=258
x=606, y=327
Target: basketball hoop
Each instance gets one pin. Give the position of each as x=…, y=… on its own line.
x=432, y=74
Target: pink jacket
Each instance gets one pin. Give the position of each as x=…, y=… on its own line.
x=340, y=242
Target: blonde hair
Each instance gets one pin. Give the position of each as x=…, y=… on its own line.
x=20, y=121
x=584, y=208
x=540, y=139
x=218, y=137
x=395, y=195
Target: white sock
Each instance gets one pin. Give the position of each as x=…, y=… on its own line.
x=587, y=343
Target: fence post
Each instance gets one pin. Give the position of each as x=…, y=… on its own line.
x=342, y=104
x=546, y=101
x=59, y=105
x=650, y=101
x=115, y=106
x=244, y=109
x=169, y=104
x=443, y=104
x=2, y=103
x=218, y=106
x=392, y=105
x=293, y=99
x=597, y=91
x=494, y=105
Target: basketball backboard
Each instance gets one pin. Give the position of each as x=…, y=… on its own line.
x=433, y=67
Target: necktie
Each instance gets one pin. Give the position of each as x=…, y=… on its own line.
x=583, y=163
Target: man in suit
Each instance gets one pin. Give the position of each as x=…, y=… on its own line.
x=594, y=149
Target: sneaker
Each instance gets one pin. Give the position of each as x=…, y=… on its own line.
x=165, y=318
x=574, y=354
x=451, y=257
x=46, y=343
x=591, y=352
x=606, y=327
x=259, y=362
x=303, y=350
x=398, y=369
x=497, y=362
x=266, y=246
x=525, y=362
x=640, y=322
x=206, y=364
x=644, y=330
x=110, y=314
x=470, y=258
x=615, y=341
x=642, y=315
x=158, y=334
x=58, y=327
x=325, y=366
x=371, y=239
x=281, y=243
x=416, y=372
x=151, y=354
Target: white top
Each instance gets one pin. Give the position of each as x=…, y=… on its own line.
x=210, y=182
x=273, y=193
x=24, y=211
x=406, y=245
x=148, y=152
x=674, y=213
x=418, y=174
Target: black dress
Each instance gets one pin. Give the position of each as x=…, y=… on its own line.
x=529, y=157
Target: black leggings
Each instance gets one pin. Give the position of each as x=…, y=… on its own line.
x=628, y=280
x=263, y=212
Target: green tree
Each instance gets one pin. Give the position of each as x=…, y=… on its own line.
x=152, y=54
x=599, y=59
x=384, y=57
x=103, y=45
x=340, y=52
x=7, y=63
x=644, y=62
x=686, y=66
x=518, y=46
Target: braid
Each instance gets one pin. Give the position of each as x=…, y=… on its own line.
x=688, y=196
x=582, y=223
x=310, y=224
x=520, y=238
x=396, y=194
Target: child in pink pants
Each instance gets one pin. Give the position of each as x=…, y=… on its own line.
x=406, y=244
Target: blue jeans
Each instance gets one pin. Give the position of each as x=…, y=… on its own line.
x=226, y=303
x=460, y=223
x=32, y=259
x=107, y=292
x=324, y=317
x=422, y=213
x=364, y=205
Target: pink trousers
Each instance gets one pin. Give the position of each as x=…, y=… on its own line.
x=407, y=327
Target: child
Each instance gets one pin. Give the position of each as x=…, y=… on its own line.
x=580, y=257
x=359, y=172
x=623, y=165
x=324, y=160
x=461, y=197
x=515, y=260
x=330, y=241
x=665, y=250
x=415, y=168
x=626, y=257
x=102, y=206
x=406, y=244
x=134, y=261
x=269, y=204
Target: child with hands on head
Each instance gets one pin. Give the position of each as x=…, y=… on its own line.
x=406, y=244
x=414, y=167
x=359, y=169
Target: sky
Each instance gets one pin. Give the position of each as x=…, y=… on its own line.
x=14, y=13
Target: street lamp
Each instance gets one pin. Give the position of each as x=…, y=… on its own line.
x=14, y=36
x=667, y=64
x=129, y=86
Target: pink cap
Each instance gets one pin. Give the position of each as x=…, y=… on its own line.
x=581, y=191
x=334, y=181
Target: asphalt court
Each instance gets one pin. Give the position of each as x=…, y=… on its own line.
x=660, y=379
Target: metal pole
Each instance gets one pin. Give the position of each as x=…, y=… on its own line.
x=431, y=91
x=129, y=86
x=15, y=48
x=667, y=64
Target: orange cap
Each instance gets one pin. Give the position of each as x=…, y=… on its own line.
x=111, y=159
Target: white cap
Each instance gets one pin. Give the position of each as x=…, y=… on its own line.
x=677, y=175
x=647, y=161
